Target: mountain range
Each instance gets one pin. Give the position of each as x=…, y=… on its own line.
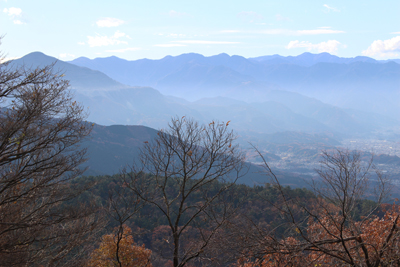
x=251, y=93
x=276, y=110
x=308, y=59
x=360, y=83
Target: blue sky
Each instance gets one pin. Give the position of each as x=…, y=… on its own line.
x=137, y=29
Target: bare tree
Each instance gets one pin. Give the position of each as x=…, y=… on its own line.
x=122, y=206
x=41, y=128
x=332, y=228
x=190, y=171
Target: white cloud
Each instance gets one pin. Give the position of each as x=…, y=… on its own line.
x=330, y=46
x=123, y=50
x=105, y=40
x=119, y=34
x=81, y=43
x=109, y=22
x=204, y=42
x=250, y=16
x=168, y=45
x=384, y=49
x=395, y=32
x=15, y=13
x=329, y=8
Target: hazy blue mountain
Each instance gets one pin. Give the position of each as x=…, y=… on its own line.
x=111, y=148
x=81, y=78
x=389, y=60
x=197, y=80
x=133, y=105
x=273, y=111
x=218, y=101
x=110, y=102
x=331, y=116
x=267, y=117
x=359, y=83
x=288, y=111
x=308, y=59
x=191, y=76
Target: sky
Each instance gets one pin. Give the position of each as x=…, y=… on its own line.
x=135, y=29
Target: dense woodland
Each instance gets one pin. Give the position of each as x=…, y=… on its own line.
x=255, y=210
x=180, y=204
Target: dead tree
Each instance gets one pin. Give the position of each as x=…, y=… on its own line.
x=187, y=173
x=40, y=131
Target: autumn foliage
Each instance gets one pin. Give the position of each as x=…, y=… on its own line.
x=129, y=254
x=329, y=242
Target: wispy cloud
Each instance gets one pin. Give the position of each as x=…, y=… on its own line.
x=329, y=8
x=250, y=16
x=109, y=22
x=18, y=22
x=204, y=42
x=384, y=49
x=395, y=33
x=169, y=45
x=330, y=46
x=123, y=50
x=15, y=13
x=100, y=40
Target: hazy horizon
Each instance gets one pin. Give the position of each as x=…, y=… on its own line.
x=211, y=55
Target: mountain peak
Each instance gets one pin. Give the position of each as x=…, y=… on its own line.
x=32, y=59
x=36, y=53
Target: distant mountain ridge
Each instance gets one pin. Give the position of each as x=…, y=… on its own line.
x=275, y=110
x=308, y=59
x=81, y=78
x=359, y=83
